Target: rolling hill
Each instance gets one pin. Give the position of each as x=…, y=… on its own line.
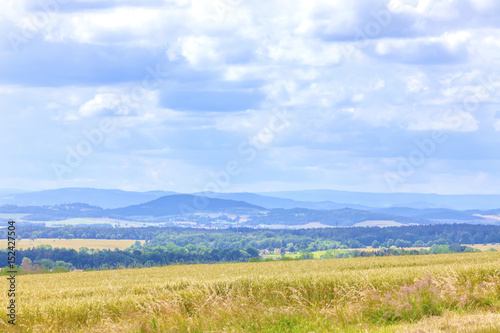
x=178, y=204
x=275, y=202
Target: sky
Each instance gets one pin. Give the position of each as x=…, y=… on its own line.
x=233, y=95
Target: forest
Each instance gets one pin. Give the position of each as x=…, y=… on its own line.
x=236, y=238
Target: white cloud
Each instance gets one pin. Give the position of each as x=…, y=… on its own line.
x=450, y=47
x=456, y=121
x=379, y=85
x=103, y=103
x=416, y=83
x=496, y=125
x=304, y=52
x=200, y=51
x=358, y=98
x=327, y=17
x=485, y=5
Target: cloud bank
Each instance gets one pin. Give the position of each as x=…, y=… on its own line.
x=192, y=85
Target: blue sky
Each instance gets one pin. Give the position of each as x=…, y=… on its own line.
x=231, y=95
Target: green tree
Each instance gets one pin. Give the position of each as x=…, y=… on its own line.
x=466, y=238
x=252, y=251
x=304, y=254
x=46, y=262
x=478, y=238
x=354, y=244
x=419, y=243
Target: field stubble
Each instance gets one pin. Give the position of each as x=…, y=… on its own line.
x=376, y=294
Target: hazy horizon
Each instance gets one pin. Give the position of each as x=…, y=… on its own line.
x=6, y=190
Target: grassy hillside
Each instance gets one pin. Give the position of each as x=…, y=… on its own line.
x=385, y=294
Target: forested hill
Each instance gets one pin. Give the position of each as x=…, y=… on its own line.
x=179, y=204
x=274, y=202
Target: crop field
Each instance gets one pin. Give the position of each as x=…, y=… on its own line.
x=433, y=293
x=486, y=247
x=77, y=243
x=90, y=221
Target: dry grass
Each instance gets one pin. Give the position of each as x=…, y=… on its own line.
x=77, y=243
x=480, y=322
x=376, y=294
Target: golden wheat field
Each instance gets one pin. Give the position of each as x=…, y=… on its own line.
x=434, y=293
x=78, y=243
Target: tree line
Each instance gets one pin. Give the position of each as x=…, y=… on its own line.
x=352, y=237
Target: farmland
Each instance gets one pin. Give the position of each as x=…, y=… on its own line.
x=441, y=293
x=77, y=243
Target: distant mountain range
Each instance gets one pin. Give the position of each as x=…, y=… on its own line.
x=61, y=204
x=412, y=200
x=311, y=199
x=176, y=204
x=96, y=197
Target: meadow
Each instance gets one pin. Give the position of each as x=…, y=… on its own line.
x=426, y=293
